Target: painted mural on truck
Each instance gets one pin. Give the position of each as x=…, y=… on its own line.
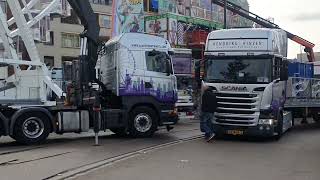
x=128, y=16
x=135, y=86
x=133, y=78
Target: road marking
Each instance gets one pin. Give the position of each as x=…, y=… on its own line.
x=79, y=171
x=20, y=150
x=16, y=161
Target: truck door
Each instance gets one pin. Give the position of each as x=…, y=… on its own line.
x=159, y=82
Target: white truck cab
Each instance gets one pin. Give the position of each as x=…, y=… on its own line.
x=138, y=73
x=243, y=68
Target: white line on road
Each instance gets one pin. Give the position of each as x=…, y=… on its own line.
x=76, y=172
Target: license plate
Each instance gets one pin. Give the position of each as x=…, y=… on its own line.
x=235, y=132
x=182, y=114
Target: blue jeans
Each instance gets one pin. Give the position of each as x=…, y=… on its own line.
x=206, y=125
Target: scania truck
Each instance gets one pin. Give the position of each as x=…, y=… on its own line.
x=247, y=71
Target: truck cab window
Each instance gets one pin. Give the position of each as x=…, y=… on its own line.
x=156, y=61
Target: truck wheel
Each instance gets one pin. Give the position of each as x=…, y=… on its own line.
x=119, y=131
x=316, y=117
x=279, y=128
x=31, y=128
x=143, y=122
x=293, y=122
x=1, y=129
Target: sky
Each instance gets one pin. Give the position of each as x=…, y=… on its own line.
x=301, y=18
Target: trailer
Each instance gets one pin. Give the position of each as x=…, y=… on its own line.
x=133, y=94
x=182, y=65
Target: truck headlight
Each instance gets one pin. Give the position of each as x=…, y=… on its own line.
x=266, y=121
x=266, y=117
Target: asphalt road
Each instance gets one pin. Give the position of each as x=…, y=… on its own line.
x=63, y=154
x=294, y=157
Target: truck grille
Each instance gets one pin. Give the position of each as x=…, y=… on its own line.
x=237, y=109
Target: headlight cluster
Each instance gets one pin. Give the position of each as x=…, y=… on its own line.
x=266, y=121
x=266, y=118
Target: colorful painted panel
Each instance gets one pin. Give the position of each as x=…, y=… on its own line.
x=173, y=23
x=128, y=16
x=167, y=6
x=156, y=26
x=181, y=33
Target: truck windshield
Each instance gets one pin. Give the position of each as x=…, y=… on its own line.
x=238, y=70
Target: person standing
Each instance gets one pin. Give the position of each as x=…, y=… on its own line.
x=208, y=107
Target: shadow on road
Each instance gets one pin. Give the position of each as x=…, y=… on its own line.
x=306, y=127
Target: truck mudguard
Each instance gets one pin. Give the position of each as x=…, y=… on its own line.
x=4, y=121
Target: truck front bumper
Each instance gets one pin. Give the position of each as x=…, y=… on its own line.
x=257, y=131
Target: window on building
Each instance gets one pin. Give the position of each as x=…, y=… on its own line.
x=150, y=5
x=69, y=58
x=105, y=21
x=3, y=5
x=49, y=61
x=155, y=61
x=102, y=2
x=51, y=40
x=70, y=40
x=73, y=19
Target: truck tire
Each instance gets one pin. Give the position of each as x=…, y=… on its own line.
x=279, y=128
x=316, y=117
x=1, y=129
x=31, y=128
x=143, y=122
x=120, y=131
x=293, y=122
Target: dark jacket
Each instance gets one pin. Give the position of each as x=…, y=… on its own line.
x=209, y=102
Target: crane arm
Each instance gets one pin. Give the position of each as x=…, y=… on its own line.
x=267, y=24
x=89, y=46
x=89, y=38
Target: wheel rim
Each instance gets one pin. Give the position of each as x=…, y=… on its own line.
x=33, y=127
x=142, y=122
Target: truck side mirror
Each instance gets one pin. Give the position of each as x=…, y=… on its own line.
x=284, y=76
x=197, y=73
x=168, y=67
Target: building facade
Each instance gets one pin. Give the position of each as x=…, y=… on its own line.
x=64, y=42
x=185, y=23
